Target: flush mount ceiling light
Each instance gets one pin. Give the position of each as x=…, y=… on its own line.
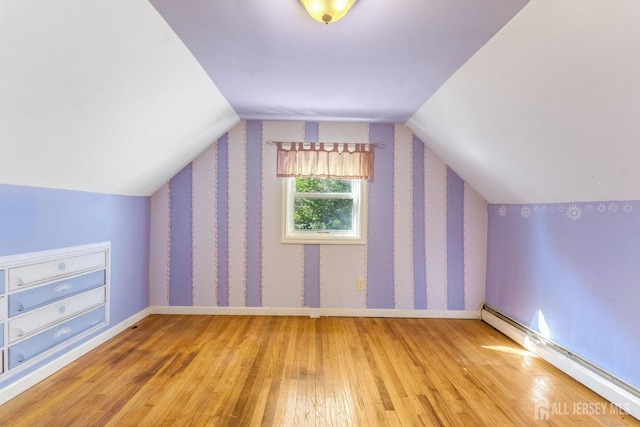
x=327, y=10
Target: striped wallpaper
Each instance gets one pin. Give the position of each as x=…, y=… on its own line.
x=215, y=229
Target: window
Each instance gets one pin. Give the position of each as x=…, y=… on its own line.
x=322, y=210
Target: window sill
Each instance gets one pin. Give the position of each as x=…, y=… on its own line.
x=324, y=240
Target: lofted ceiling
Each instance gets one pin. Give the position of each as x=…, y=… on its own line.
x=548, y=110
x=529, y=102
x=380, y=63
x=100, y=96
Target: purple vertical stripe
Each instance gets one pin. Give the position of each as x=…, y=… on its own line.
x=455, y=241
x=311, y=132
x=222, y=207
x=311, y=252
x=254, y=213
x=312, y=276
x=180, y=247
x=380, y=273
x=419, y=256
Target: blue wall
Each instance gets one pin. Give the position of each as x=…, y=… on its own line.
x=36, y=219
x=574, y=270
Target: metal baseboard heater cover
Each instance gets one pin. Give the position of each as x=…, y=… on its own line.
x=535, y=336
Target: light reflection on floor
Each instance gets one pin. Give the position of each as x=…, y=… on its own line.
x=540, y=386
x=510, y=350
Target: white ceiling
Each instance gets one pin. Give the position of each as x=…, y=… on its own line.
x=100, y=96
x=548, y=110
x=103, y=96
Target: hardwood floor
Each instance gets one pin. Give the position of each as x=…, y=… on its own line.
x=297, y=371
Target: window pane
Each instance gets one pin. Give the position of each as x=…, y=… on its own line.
x=322, y=214
x=322, y=185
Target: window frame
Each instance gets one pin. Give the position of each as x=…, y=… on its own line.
x=356, y=236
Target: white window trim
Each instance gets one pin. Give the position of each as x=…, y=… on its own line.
x=356, y=237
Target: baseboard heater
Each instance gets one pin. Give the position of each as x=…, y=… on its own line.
x=612, y=388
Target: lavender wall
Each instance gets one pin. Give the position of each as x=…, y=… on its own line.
x=35, y=219
x=215, y=238
x=574, y=267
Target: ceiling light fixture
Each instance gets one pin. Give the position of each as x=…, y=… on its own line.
x=327, y=10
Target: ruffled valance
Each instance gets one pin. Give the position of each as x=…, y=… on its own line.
x=325, y=160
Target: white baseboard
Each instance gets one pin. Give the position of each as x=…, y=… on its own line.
x=31, y=379
x=606, y=388
x=318, y=312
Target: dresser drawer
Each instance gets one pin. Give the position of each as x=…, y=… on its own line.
x=54, y=313
x=2, y=315
x=1, y=334
x=3, y=287
x=34, y=298
x=28, y=349
x=26, y=275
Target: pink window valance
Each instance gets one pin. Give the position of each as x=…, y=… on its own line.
x=325, y=160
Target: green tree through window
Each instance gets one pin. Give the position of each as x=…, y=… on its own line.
x=324, y=211
x=328, y=206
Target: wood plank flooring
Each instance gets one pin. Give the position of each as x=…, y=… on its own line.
x=297, y=371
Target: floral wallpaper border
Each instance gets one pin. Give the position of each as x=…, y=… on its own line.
x=572, y=211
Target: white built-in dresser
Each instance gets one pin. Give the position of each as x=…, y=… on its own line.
x=49, y=300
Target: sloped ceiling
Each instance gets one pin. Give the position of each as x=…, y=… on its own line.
x=100, y=96
x=117, y=96
x=548, y=110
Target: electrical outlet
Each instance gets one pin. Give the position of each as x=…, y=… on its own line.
x=360, y=284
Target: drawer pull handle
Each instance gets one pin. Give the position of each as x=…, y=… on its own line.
x=61, y=332
x=62, y=266
x=63, y=287
x=19, y=332
x=62, y=309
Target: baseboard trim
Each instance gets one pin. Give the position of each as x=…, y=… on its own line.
x=31, y=379
x=317, y=312
x=616, y=394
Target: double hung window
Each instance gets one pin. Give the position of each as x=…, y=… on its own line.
x=324, y=191
x=324, y=210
